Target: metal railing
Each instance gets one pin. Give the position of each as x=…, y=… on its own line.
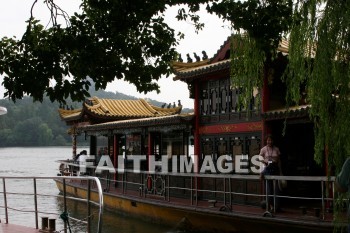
x=326, y=195
x=149, y=185
x=225, y=194
x=35, y=194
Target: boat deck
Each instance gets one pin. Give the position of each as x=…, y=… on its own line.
x=296, y=217
x=227, y=211
x=11, y=228
x=299, y=212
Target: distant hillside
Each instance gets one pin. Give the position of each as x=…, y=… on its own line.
x=29, y=123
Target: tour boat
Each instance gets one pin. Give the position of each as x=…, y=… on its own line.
x=197, y=171
x=136, y=180
x=161, y=199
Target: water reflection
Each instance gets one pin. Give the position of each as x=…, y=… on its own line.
x=42, y=162
x=112, y=222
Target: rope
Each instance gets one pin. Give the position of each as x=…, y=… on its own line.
x=79, y=223
x=64, y=217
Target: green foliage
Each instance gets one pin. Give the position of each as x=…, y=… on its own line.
x=340, y=208
x=60, y=141
x=264, y=21
x=29, y=123
x=45, y=135
x=259, y=27
x=319, y=59
x=247, y=72
x=109, y=39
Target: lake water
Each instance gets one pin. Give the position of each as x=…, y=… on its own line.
x=41, y=161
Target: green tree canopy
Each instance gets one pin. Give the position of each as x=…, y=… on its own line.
x=109, y=39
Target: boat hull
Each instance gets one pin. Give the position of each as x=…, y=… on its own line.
x=191, y=218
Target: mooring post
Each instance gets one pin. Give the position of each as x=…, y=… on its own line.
x=36, y=204
x=52, y=224
x=44, y=223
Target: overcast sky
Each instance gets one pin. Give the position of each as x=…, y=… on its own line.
x=14, y=13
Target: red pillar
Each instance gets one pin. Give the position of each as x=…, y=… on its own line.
x=196, y=130
x=196, y=124
x=74, y=142
x=115, y=154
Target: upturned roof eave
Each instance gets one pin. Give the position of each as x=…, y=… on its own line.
x=203, y=70
x=287, y=113
x=140, y=122
x=116, y=109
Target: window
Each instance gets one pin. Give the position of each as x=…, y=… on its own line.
x=218, y=99
x=232, y=145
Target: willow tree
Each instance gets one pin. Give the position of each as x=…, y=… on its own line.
x=324, y=36
x=318, y=32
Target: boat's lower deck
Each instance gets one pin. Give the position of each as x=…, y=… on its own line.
x=308, y=215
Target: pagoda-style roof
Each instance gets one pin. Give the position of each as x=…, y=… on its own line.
x=134, y=125
x=102, y=110
x=188, y=71
x=66, y=114
x=179, y=66
x=291, y=112
x=195, y=71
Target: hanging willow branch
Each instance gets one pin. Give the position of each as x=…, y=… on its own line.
x=264, y=23
x=247, y=67
x=319, y=54
x=319, y=57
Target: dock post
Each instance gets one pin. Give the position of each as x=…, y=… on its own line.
x=36, y=204
x=5, y=200
x=65, y=203
x=44, y=223
x=89, y=206
x=52, y=224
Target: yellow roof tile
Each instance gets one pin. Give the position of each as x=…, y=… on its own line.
x=192, y=69
x=67, y=114
x=179, y=66
x=112, y=109
x=141, y=122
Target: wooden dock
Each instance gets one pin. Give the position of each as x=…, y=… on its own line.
x=12, y=228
